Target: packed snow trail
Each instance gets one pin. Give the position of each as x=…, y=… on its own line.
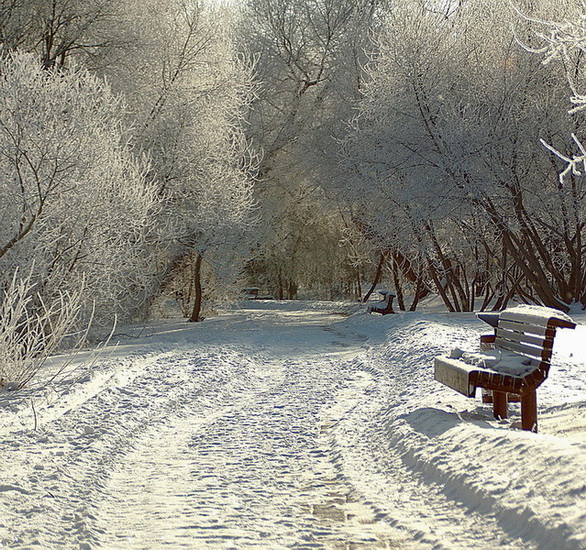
x=253, y=471
x=263, y=428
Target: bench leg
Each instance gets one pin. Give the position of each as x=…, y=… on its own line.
x=529, y=411
x=499, y=407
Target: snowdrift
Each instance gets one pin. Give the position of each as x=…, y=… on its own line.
x=534, y=483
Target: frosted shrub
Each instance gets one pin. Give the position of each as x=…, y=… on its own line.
x=31, y=330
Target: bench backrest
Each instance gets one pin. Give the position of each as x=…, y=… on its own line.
x=530, y=331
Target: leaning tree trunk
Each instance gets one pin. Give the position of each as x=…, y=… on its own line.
x=397, y=283
x=377, y=277
x=195, y=314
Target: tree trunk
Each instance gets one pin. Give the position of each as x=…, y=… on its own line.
x=280, y=284
x=377, y=278
x=197, y=285
x=397, y=283
x=419, y=293
x=438, y=284
x=358, y=291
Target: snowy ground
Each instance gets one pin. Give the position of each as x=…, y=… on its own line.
x=292, y=425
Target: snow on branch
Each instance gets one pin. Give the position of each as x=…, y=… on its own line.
x=576, y=165
x=561, y=39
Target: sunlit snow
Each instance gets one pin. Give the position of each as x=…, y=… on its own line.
x=292, y=425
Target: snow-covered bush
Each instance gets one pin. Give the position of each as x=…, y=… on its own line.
x=31, y=330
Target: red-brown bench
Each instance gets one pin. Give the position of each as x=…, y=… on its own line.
x=517, y=364
x=384, y=306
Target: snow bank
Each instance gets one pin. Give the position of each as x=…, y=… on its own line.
x=535, y=484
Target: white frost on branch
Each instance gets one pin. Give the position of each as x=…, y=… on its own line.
x=74, y=200
x=559, y=41
x=564, y=41
x=576, y=165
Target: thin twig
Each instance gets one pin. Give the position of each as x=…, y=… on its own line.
x=34, y=413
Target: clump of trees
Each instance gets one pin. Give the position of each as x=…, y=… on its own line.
x=188, y=90
x=444, y=180
x=167, y=147
x=309, y=69
x=449, y=170
x=77, y=210
x=123, y=164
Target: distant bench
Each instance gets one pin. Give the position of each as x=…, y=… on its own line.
x=252, y=293
x=385, y=305
x=517, y=364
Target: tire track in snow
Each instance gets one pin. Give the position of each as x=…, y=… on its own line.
x=255, y=475
x=65, y=466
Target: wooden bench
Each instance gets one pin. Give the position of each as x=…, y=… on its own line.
x=517, y=364
x=250, y=293
x=385, y=305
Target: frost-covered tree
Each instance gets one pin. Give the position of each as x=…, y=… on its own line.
x=559, y=35
x=75, y=207
x=310, y=57
x=58, y=30
x=188, y=91
x=448, y=164
x=303, y=48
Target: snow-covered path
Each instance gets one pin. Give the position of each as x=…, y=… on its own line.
x=253, y=473
x=248, y=468
x=265, y=428
x=217, y=443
